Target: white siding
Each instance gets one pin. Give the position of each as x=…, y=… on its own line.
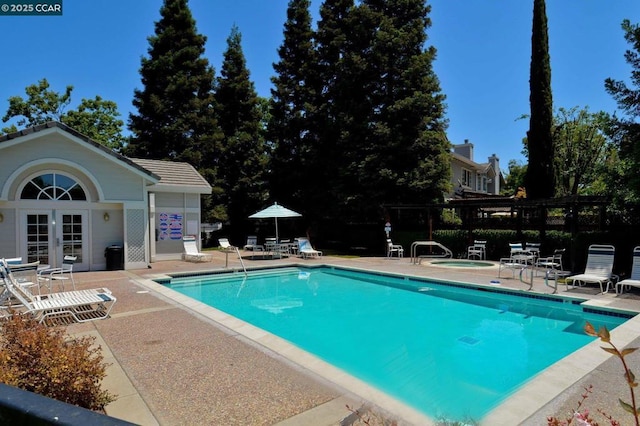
x=117, y=182
x=8, y=245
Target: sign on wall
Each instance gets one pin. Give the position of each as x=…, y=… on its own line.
x=170, y=226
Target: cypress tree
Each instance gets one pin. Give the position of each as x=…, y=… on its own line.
x=540, y=177
x=243, y=149
x=175, y=118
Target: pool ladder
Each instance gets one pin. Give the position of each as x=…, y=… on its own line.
x=241, y=261
x=230, y=249
x=527, y=268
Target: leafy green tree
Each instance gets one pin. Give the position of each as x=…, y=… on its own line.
x=243, y=154
x=290, y=127
x=514, y=178
x=581, y=151
x=540, y=178
x=175, y=118
x=625, y=131
x=42, y=105
x=96, y=118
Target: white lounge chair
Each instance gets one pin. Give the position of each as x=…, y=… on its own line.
x=599, y=268
x=394, y=248
x=225, y=244
x=191, y=251
x=61, y=307
x=306, y=250
x=634, y=279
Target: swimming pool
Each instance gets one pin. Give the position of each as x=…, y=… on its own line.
x=428, y=344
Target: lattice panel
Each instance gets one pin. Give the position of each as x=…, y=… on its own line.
x=135, y=235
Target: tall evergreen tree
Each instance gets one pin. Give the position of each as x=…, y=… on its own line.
x=175, y=117
x=243, y=154
x=290, y=127
x=540, y=177
x=384, y=105
x=413, y=156
x=339, y=97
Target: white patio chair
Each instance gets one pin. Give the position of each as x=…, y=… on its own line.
x=477, y=250
x=252, y=244
x=59, y=275
x=518, y=259
x=394, y=248
x=551, y=262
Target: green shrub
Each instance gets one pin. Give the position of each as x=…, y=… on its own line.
x=43, y=360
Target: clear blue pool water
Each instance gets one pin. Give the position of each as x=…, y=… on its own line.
x=447, y=350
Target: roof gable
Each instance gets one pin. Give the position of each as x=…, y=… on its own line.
x=165, y=175
x=54, y=126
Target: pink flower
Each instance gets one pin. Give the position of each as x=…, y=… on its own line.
x=582, y=418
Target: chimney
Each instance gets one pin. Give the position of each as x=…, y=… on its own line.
x=494, y=187
x=465, y=149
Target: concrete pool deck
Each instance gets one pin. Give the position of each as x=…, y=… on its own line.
x=175, y=361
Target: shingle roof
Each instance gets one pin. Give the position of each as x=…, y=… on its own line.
x=173, y=173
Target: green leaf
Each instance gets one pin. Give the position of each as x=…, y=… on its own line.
x=628, y=408
x=628, y=351
x=610, y=350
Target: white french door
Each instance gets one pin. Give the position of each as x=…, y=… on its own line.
x=49, y=235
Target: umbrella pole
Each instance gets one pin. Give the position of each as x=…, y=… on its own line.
x=277, y=238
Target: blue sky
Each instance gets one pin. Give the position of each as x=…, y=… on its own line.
x=483, y=55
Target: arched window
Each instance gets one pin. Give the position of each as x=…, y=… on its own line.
x=53, y=186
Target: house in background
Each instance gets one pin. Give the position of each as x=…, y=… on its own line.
x=62, y=193
x=471, y=179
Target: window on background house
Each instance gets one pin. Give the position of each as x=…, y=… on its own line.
x=466, y=178
x=482, y=183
